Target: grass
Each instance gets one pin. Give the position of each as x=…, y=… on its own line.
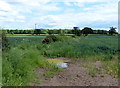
x=84, y=47
x=108, y=66
x=19, y=63
x=112, y=68
x=55, y=61
x=51, y=72
x=28, y=53
x=93, y=70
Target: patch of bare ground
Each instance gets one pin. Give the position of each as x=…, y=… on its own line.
x=77, y=75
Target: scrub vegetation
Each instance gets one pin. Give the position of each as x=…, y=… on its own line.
x=24, y=54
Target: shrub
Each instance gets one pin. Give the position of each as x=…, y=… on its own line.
x=54, y=38
x=49, y=39
x=5, y=43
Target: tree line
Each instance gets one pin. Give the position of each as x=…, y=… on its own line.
x=85, y=31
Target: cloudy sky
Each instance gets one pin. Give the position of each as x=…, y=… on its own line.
x=24, y=14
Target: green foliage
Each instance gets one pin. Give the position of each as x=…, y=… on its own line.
x=92, y=70
x=77, y=31
x=19, y=63
x=54, y=38
x=26, y=55
x=16, y=40
x=112, y=67
x=74, y=36
x=5, y=42
x=87, y=31
x=108, y=57
x=83, y=47
x=112, y=30
x=37, y=31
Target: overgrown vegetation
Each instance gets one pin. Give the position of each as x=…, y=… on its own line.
x=26, y=54
x=83, y=47
x=19, y=63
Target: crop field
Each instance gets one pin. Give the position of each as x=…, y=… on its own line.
x=18, y=39
x=27, y=53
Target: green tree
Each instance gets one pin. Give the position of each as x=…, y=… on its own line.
x=76, y=31
x=50, y=32
x=112, y=30
x=87, y=31
x=37, y=31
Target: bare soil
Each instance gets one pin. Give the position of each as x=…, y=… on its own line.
x=77, y=75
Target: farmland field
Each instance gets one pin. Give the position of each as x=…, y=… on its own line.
x=28, y=53
x=18, y=39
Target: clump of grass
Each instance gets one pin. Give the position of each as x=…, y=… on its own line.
x=91, y=69
x=51, y=72
x=112, y=68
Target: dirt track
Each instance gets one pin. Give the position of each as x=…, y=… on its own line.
x=77, y=75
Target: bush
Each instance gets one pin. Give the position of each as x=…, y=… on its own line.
x=54, y=38
x=49, y=39
x=5, y=43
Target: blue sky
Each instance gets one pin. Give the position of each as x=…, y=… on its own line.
x=24, y=14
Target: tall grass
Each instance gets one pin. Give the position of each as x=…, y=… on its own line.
x=26, y=54
x=19, y=64
x=83, y=47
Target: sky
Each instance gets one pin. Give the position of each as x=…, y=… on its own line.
x=58, y=14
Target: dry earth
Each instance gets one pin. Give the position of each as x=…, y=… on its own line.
x=77, y=75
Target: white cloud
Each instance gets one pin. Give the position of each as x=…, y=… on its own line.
x=14, y=12
x=97, y=15
x=4, y=6
x=9, y=13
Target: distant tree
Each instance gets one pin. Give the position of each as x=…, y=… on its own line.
x=112, y=30
x=69, y=31
x=76, y=28
x=28, y=31
x=101, y=32
x=59, y=31
x=25, y=32
x=50, y=32
x=76, y=31
x=37, y=31
x=87, y=31
x=8, y=31
x=54, y=31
